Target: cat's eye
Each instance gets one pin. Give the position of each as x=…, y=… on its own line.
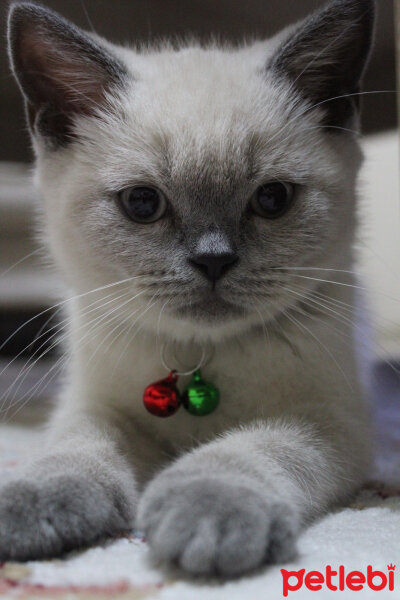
x=143, y=204
x=272, y=200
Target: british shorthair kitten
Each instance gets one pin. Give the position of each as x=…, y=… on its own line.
x=199, y=201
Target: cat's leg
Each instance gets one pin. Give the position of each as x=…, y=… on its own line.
x=231, y=505
x=82, y=491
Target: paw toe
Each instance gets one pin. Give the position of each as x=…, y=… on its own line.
x=168, y=537
x=199, y=555
x=282, y=537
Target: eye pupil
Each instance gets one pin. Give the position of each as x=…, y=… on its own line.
x=272, y=200
x=142, y=204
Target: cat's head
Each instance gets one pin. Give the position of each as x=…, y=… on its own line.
x=205, y=174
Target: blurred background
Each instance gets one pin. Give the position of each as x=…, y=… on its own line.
x=133, y=20
x=27, y=288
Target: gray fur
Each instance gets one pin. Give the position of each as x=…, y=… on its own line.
x=79, y=493
x=221, y=523
x=46, y=518
x=218, y=511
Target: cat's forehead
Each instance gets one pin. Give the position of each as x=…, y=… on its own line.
x=204, y=86
x=195, y=66
x=214, y=113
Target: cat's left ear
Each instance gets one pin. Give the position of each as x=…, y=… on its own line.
x=61, y=70
x=326, y=57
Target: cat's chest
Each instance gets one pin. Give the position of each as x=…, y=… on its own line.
x=184, y=430
x=251, y=386
x=256, y=381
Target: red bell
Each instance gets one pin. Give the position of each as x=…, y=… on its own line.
x=162, y=398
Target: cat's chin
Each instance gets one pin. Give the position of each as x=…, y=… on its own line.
x=211, y=318
x=209, y=310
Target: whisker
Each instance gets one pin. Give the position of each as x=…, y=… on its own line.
x=119, y=324
x=323, y=346
x=349, y=271
x=32, y=391
x=87, y=16
x=29, y=394
x=21, y=260
x=318, y=55
x=282, y=334
x=56, y=327
x=129, y=329
x=62, y=303
x=28, y=367
x=341, y=283
x=159, y=321
x=309, y=108
x=345, y=321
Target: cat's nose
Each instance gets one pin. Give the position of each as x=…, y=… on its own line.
x=214, y=266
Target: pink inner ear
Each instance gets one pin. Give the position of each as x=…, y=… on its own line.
x=61, y=73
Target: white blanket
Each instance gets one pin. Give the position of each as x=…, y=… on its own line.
x=366, y=533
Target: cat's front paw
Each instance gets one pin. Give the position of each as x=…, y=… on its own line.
x=45, y=518
x=221, y=525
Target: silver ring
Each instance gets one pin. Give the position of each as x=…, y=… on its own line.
x=180, y=361
x=182, y=373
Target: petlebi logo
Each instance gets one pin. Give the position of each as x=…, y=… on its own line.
x=339, y=579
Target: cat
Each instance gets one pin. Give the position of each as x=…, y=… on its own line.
x=200, y=203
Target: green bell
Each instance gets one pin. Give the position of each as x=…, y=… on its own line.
x=200, y=397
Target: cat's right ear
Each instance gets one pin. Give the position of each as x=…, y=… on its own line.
x=325, y=57
x=61, y=70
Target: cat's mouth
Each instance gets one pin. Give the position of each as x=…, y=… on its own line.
x=209, y=307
